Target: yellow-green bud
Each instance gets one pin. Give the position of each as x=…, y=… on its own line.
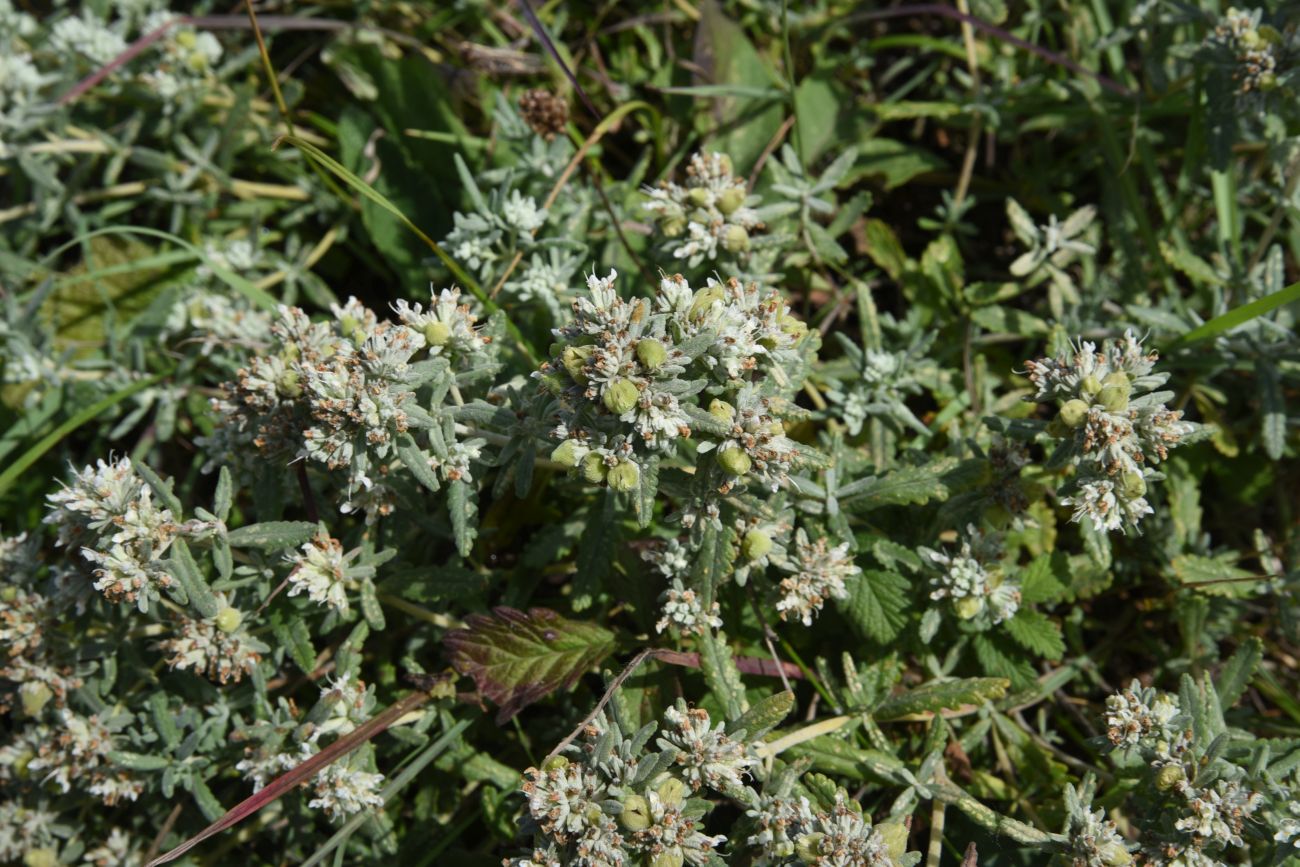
x=968, y=607
x=555, y=763
x=796, y=328
x=672, y=857
x=1114, y=855
x=228, y=619
x=673, y=225
x=289, y=385
x=1090, y=385
x=1115, y=390
x=722, y=411
x=735, y=239
x=636, y=813
x=35, y=695
x=350, y=326
x=624, y=477
x=566, y=453
x=290, y=352
x=437, y=333
x=755, y=545
x=703, y=301
x=187, y=39
x=8, y=594
x=699, y=197
x=730, y=199
x=574, y=361
x=1073, y=413
x=47, y=857
x=594, y=469
x=894, y=835
x=1133, y=485
x=672, y=792
x=776, y=429
x=651, y=353
x=620, y=396
x=1168, y=777
x=808, y=847
x=593, y=814
x=734, y=460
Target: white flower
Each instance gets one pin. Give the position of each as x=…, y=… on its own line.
x=1140, y=716
x=684, y=611
x=321, y=571
x=342, y=792
x=521, y=212
x=820, y=573
x=705, y=755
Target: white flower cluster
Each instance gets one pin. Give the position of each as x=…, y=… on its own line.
x=76, y=752
x=628, y=371
x=449, y=326
x=1094, y=840
x=218, y=647
x=684, y=611
x=712, y=211
x=705, y=755
x=27, y=662
x=110, y=511
x=837, y=836
x=322, y=570
x=820, y=572
x=482, y=238
x=1253, y=48
x=1113, y=423
x=186, y=59
x=973, y=581
x=1140, y=717
x=26, y=829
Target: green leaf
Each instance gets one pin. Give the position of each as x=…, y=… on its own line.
x=295, y=637
x=877, y=604
x=1037, y=633
x=594, y=561
x=517, y=658
x=1190, y=265
x=765, y=715
x=1236, y=673
x=1001, y=661
x=415, y=460
x=462, y=506
x=1038, y=584
x=903, y=486
x=745, y=124
x=643, y=498
x=895, y=162
x=272, y=535
x=138, y=761
x=1240, y=316
x=935, y=696
x=721, y=674
x=885, y=249
x=1214, y=576
x=162, y=488
x=1272, y=409
x=713, y=562
x=182, y=567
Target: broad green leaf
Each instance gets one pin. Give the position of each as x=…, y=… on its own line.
x=1035, y=632
x=462, y=507
x=765, y=715
x=1038, y=584
x=901, y=486
x=745, y=124
x=943, y=695
x=517, y=657
x=1214, y=576
x=1236, y=673
x=877, y=604
x=272, y=535
x=721, y=674
x=997, y=659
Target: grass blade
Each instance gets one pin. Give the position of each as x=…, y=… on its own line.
x=1240, y=316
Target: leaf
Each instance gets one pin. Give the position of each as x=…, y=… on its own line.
x=138, y=761
x=517, y=658
x=643, y=498
x=272, y=535
x=594, y=560
x=462, y=506
x=745, y=124
x=721, y=674
x=1038, y=584
x=1214, y=576
x=895, y=161
x=1037, y=633
x=877, y=604
x=713, y=562
x=1236, y=673
x=935, y=696
x=994, y=657
x=295, y=638
x=765, y=715
x=415, y=460
x=1190, y=265
x=182, y=567
x=1240, y=315
x=902, y=486
x=163, y=489
x=885, y=249
x=1272, y=409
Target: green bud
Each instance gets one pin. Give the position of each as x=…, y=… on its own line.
x=187, y=39
x=673, y=226
x=574, y=361
x=735, y=239
x=624, y=477
x=703, y=301
x=722, y=411
x=1074, y=413
x=437, y=333
x=35, y=695
x=755, y=545
x=8, y=594
x=968, y=607
x=1133, y=485
x=731, y=199
x=724, y=160
x=1168, y=777
x=594, y=469
x=668, y=858
x=555, y=763
x=734, y=460
x=228, y=619
x=290, y=352
x=47, y=857
x=566, y=453
x=894, y=835
x=636, y=813
x=699, y=197
x=1090, y=385
x=351, y=328
x=651, y=353
x=672, y=792
x=808, y=847
x=1115, y=855
x=289, y=384
x=593, y=814
x=1115, y=391
x=620, y=396
x=796, y=328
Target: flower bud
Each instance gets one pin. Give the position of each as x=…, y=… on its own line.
x=574, y=361
x=555, y=763
x=724, y=162
x=1168, y=777
x=673, y=225
x=636, y=813
x=1090, y=385
x=668, y=858
x=722, y=411
x=734, y=460
x=735, y=239
x=894, y=835
x=1114, y=855
x=620, y=396
x=437, y=333
x=731, y=199
x=651, y=353
x=699, y=197
x=594, y=469
x=968, y=607
x=8, y=594
x=672, y=792
x=1114, y=394
x=624, y=477
x=755, y=545
x=228, y=619
x=187, y=39
x=566, y=453
x=351, y=328
x=35, y=695
x=288, y=384
x=808, y=847
x=796, y=328
x=47, y=857
x=703, y=301
x=1074, y=413
x=1133, y=485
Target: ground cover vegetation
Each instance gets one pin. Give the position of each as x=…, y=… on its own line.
x=692, y=433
